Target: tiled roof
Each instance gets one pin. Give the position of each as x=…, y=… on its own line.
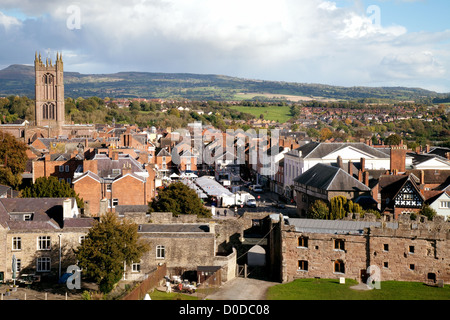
x=326, y=177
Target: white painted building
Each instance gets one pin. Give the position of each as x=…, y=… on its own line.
x=298, y=161
x=442, y=205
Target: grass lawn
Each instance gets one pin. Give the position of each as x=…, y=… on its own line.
x=280, y=114
x=159, y=295
x=330, y=289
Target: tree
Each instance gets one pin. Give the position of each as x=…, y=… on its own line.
x=340, y=207
x=51, y=187
x=109, y=244
x=178, y=199
x=428, y=212
x=325, y=134
x=13, y=159
x=318, y=210
x=393, y=140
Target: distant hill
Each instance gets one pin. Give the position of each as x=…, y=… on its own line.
x=19, y=80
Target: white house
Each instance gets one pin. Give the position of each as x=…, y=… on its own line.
x=442, y=205
x=298, y=161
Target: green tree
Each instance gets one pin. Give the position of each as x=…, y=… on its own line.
x=51, y=187
x=428, y=212
x=109, y=244
x=178, y=199
x=393, y=140
x=318, y=210
x=13, y=159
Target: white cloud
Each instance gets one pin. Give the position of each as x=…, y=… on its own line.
x=291, y=40
x=8, y=21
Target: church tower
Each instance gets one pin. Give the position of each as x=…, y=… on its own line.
x=49, y=88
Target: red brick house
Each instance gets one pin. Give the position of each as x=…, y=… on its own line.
x=120, y=180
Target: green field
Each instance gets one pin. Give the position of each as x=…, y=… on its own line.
x=331, y=289
x=279, y=114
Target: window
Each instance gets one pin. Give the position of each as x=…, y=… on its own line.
x=385, y=265
x=17, y=243
x=44, y=243
x=445, y=204
x=411, y=249
x=412, y=267
x=81, y=239
x=115, y=202
x=339, y=244
x=18, y=265
x=339, y=266
x=69, y=181
x=303, y=265
x=386, y=247
x=108, y=187
x=67, y=168
x=160, y=252
x=303, y=242
x=43, y=264
x=136, y=267
x=61, y=168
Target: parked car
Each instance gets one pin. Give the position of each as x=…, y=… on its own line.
x=256, y=188
x=279, y=205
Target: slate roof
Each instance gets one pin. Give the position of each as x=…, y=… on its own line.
x=335, y=226
x=314, y=150
x=105, y=164
x=173, y=228
x=326, y=177
x=47, y=214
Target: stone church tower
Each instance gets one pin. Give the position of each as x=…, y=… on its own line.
x=49, y=86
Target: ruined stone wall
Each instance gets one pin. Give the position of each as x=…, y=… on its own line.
x=415, y=251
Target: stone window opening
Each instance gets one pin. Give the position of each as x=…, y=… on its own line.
x=411, y=249
x=339, y=266
x=302, y=242
x=302, y=265
x=339, y=244
x=386, y=265
x=386, y=247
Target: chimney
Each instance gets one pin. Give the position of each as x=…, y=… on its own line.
x=103, y=207
x=67, y=209
x=447, y=155
x=366, y=178
x=212, y=227
x=360, y=176
x=350, y=168
x=115, y=155
x=339, y=162
x=126, y=169
x=363, y=164
x=398, y=159
x=422, y=177
x=428, y=148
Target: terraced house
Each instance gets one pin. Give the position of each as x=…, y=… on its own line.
x=40, y=234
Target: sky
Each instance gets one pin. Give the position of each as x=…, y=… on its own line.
x=344, y=42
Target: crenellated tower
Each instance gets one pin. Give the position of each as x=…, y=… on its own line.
x=49, y=88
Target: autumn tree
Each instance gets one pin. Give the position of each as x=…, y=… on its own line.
x=318, y=210
x=13, y=160
x=109, y=244
x=178, y=199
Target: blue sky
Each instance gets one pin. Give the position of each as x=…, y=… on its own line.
x=396, y=43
